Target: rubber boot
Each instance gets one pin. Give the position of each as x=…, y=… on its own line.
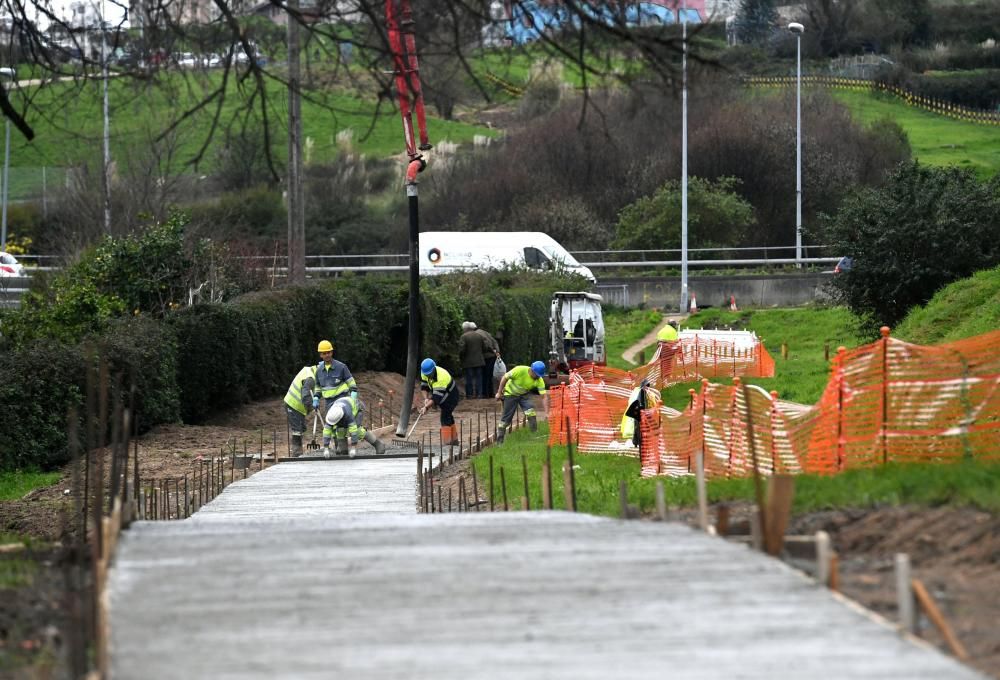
x=342, y=447
x=501, y=433
x=533, y=423
x=296, y=450
x=373, y=440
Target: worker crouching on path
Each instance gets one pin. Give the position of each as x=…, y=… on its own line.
x=333, y=381
x=515, y=389
x=345, y=417
x=299, y=402
x=443, y=391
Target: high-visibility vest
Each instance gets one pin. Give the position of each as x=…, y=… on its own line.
x=334, y=380
x=667, y=334
x=440, y=385
x=293, y=397
x=519, y=381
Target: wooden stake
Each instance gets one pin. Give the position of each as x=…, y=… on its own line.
x=756, y=536
x=780, y=492
x=661, y=501
x=491, y=483
x=524, y=475
x=623, y=499
x=904, y=594
x=784, y=350
x=475, y=488
x=823, y=558
x=937, y=618
x=547, y=480
x=503, y=486
x=834, y=571
x=722, y=519
x=699, y=462
x=568, y=486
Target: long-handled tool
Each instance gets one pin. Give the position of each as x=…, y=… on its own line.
x=314, y=445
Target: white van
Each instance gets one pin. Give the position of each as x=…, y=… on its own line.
x=441, y=252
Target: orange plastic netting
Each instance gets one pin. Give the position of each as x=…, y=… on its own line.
x=889, y=401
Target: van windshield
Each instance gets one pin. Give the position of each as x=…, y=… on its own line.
x=561, y=256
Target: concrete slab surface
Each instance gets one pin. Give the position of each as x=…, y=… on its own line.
x=318, y=570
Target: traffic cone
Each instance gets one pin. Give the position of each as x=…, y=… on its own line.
x=732, y=304
x=693, y=309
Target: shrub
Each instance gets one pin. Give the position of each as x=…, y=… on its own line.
x=44, y=378
x=923, y=229
x=716, y=214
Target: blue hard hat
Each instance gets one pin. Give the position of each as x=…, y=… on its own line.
x=538, y=368
x=427, y=366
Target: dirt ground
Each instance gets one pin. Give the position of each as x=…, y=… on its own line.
x=955, y=552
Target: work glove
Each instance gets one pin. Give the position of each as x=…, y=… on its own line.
x=315, y=401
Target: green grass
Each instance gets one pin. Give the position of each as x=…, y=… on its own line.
x=16, y=573
x=625, y=327
x=960, y=310
x=598, y=476
x=70, y=131
x=14, y=485
x=935, y=139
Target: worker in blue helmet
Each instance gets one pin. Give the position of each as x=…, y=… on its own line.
x=516, y=387
x=441, y=390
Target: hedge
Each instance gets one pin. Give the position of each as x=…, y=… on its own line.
x=207, y=358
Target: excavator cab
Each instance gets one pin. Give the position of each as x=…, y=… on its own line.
x=577, y=332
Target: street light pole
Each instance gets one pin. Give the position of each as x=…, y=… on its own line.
x=107, y=127
x=684, y=161
x=797, y=29
x=8, y=75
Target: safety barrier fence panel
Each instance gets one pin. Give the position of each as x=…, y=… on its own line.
x=940, y=107
x=889, y=401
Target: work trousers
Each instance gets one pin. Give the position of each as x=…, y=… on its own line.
x=447, y=406
x=296, y=421
x=510, y=404
x=473, y=381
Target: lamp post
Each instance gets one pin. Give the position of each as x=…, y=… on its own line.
x=797, y=30
x=684, y=161
x=8, y=75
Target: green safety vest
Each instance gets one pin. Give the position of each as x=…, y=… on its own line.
x=293, y=397
x=519, y=381
x=440, y=387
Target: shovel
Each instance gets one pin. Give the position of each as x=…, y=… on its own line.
x=313, y=445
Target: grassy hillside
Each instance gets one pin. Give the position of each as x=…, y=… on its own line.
x=935, y=139
x=960, y=310
x=71, y=130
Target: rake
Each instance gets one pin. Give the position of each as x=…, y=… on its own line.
x=314, y=445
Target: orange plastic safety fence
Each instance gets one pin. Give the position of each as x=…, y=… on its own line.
x=889, y=401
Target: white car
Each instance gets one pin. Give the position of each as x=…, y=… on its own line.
x=9, y=266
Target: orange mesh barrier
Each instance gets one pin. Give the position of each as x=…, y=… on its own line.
x=590, y=410
x=889, y=401
x=689, y=359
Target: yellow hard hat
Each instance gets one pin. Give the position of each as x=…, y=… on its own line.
x=325, y=346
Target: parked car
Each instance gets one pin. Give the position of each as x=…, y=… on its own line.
x=9, y=266
x=844, y=265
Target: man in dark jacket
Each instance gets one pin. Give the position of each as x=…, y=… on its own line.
x=491, y=350
x=470, y=353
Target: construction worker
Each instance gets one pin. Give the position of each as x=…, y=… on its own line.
x=515, y=387
x=669, y=343
x=668, y=333
x=441, y=390
x=345, y=416
x=333, y=380
x=300, y=400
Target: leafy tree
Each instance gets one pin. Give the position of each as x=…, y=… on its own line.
x=141, y=274
x=716, y=215
x=924, y=228
x=755, y=21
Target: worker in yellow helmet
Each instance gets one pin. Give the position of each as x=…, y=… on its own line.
x=669, y=343
x=333, y=380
